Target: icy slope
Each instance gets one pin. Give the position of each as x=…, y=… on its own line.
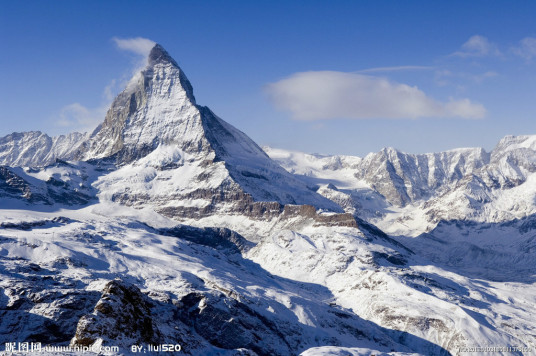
x=403, y=291
x=296, y=289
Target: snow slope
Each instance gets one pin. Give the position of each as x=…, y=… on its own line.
x=61, y=261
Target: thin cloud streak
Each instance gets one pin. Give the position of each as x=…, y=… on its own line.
x=138, y=45
x=330, y=95
x=395, y=69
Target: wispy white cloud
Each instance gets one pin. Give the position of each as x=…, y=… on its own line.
x=109, y=90
x=526, y=48
x=444, y=77
x=395, y=69
x=77, y=117
x=138, y=45
x=477, y=46
x=328, y=95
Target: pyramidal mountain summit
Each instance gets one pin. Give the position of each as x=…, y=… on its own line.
x=157, y=108
x=155, y=131
x=168, y=226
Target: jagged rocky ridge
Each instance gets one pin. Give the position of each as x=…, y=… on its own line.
x=31, y=149
x=467, y=183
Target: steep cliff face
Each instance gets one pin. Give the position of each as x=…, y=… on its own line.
x=156, y=108
x=404, y=178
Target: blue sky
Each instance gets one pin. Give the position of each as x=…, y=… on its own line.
x=346, y=77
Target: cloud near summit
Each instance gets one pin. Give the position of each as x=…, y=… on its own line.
x=329, y=95
x=138, y=45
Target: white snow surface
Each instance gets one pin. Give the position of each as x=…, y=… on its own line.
x=347, y=351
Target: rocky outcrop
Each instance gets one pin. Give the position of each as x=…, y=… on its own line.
x=219, y=238
x=19, y=184
x=13, y=186
x=59, y=220
x=37, y=304
x=122, y=315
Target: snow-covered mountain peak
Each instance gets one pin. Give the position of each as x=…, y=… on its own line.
x=159, y=55
x=512, y=142
x=389, y=151
x=157, y=107
x=160, y=58
x=198, y=155
x=514, y=145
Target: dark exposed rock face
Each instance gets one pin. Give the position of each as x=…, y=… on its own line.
x=36, y=305
x=30, y=225
x=13, y=186
x=230, y=324
x=218, y=238
x=268, y=211
x=122, y=315
x=243, y=204
x=291, y=211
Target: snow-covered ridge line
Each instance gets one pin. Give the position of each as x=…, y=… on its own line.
x=467, y=183
x=35, y=148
